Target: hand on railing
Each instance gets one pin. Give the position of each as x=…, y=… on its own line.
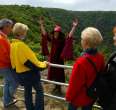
x=47, y=63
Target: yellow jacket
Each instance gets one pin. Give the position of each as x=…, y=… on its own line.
x=20, y=53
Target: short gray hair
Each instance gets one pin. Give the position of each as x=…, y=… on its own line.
x=5, y=22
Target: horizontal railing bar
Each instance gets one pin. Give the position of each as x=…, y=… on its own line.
x=54, y=97
x=60, y=66
x=57, y=83
x=98, y=107
x=54, y=82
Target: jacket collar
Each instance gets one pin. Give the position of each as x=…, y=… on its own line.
x=3, y=34
x=16, y=40
x=91, y=51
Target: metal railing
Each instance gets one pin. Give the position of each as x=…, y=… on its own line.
x=60, y=66
x=95, y=107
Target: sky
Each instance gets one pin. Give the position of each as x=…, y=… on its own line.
x=75, y=5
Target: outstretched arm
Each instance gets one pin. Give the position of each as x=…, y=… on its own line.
x=41, y=22
x=67, y=52
x=75, y=23
x=44, y=37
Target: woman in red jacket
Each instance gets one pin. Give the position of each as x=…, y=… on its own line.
x=83, y=73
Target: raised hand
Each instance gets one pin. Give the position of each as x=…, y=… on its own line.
x=75, y=22
x=42, y=27
x=41, y=20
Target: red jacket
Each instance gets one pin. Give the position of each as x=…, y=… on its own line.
x=4, y=52
x=83, y=74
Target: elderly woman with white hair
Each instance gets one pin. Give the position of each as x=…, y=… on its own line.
x=27, y=67
x=83, y=73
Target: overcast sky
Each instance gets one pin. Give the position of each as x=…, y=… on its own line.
x=76, y=5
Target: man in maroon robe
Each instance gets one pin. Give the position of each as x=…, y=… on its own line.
x=61, y=49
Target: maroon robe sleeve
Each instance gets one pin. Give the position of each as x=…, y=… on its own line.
x=44, y=43
x=67, y=52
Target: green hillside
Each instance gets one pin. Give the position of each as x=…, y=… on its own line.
x=104, y=21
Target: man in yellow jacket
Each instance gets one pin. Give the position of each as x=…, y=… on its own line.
x=27, y=66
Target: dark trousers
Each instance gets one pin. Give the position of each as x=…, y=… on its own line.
x=71, y=107
x=31, y=80
x=39, y=99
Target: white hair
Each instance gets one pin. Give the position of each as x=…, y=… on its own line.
x=19, y=28
x=92, y=36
